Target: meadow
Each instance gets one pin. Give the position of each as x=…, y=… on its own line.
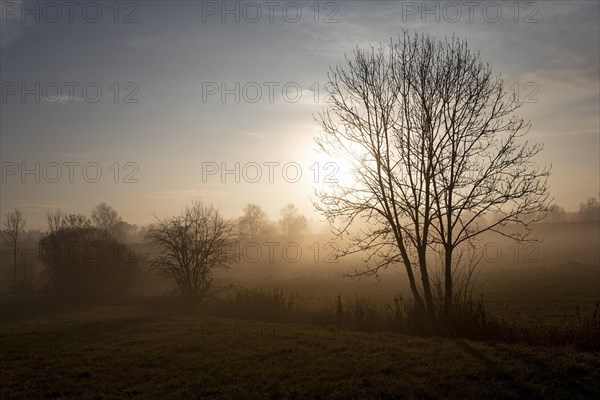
x=120, y=352
x=301, y=330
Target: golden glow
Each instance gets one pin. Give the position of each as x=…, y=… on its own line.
x=332, y=170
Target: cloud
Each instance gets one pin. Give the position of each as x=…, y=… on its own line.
x=65, y=99
x=256, y=135
x=185, y=193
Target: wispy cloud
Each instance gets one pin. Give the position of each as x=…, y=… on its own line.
x=185, y=193
x=256, y=135
x=64, y=99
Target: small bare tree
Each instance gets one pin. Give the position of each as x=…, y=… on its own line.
x=191, y=248
x=291, y=222
x=435, y=146
x=14, y=227
x=253, y=220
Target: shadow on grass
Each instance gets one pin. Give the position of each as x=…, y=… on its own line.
x=499, y=373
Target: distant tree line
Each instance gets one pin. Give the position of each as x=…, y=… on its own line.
x=76, y=255
x=85, y=260
x=92, y=257
x=588, y=211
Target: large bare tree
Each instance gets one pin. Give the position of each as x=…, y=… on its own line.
x=435, y=146
x=14, y=227
x=191, y=247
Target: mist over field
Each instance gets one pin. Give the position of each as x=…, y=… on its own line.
x=320, y=199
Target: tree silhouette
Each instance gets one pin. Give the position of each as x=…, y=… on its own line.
x=83, y=261
x=14, y=226
x=192, y=247
x=435, y=145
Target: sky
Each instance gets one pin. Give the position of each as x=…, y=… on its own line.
x=147, y=105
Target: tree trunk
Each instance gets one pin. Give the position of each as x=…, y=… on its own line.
x=411, y=277
x=426, y=285
x=448, y=282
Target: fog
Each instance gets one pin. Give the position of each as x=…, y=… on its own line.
x=559, y=267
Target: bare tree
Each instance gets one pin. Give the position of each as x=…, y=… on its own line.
x=108, y=220
x=192, y=247
x=435, y=146
x=253, y=220
x=291, y=222
x=14, y=227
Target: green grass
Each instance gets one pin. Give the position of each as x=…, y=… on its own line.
x=116, y=352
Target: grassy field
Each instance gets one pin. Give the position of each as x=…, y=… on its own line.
x=529, y=296
x=52, y=349
x=116, y=352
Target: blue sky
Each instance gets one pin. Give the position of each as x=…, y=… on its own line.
x=171, y=51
